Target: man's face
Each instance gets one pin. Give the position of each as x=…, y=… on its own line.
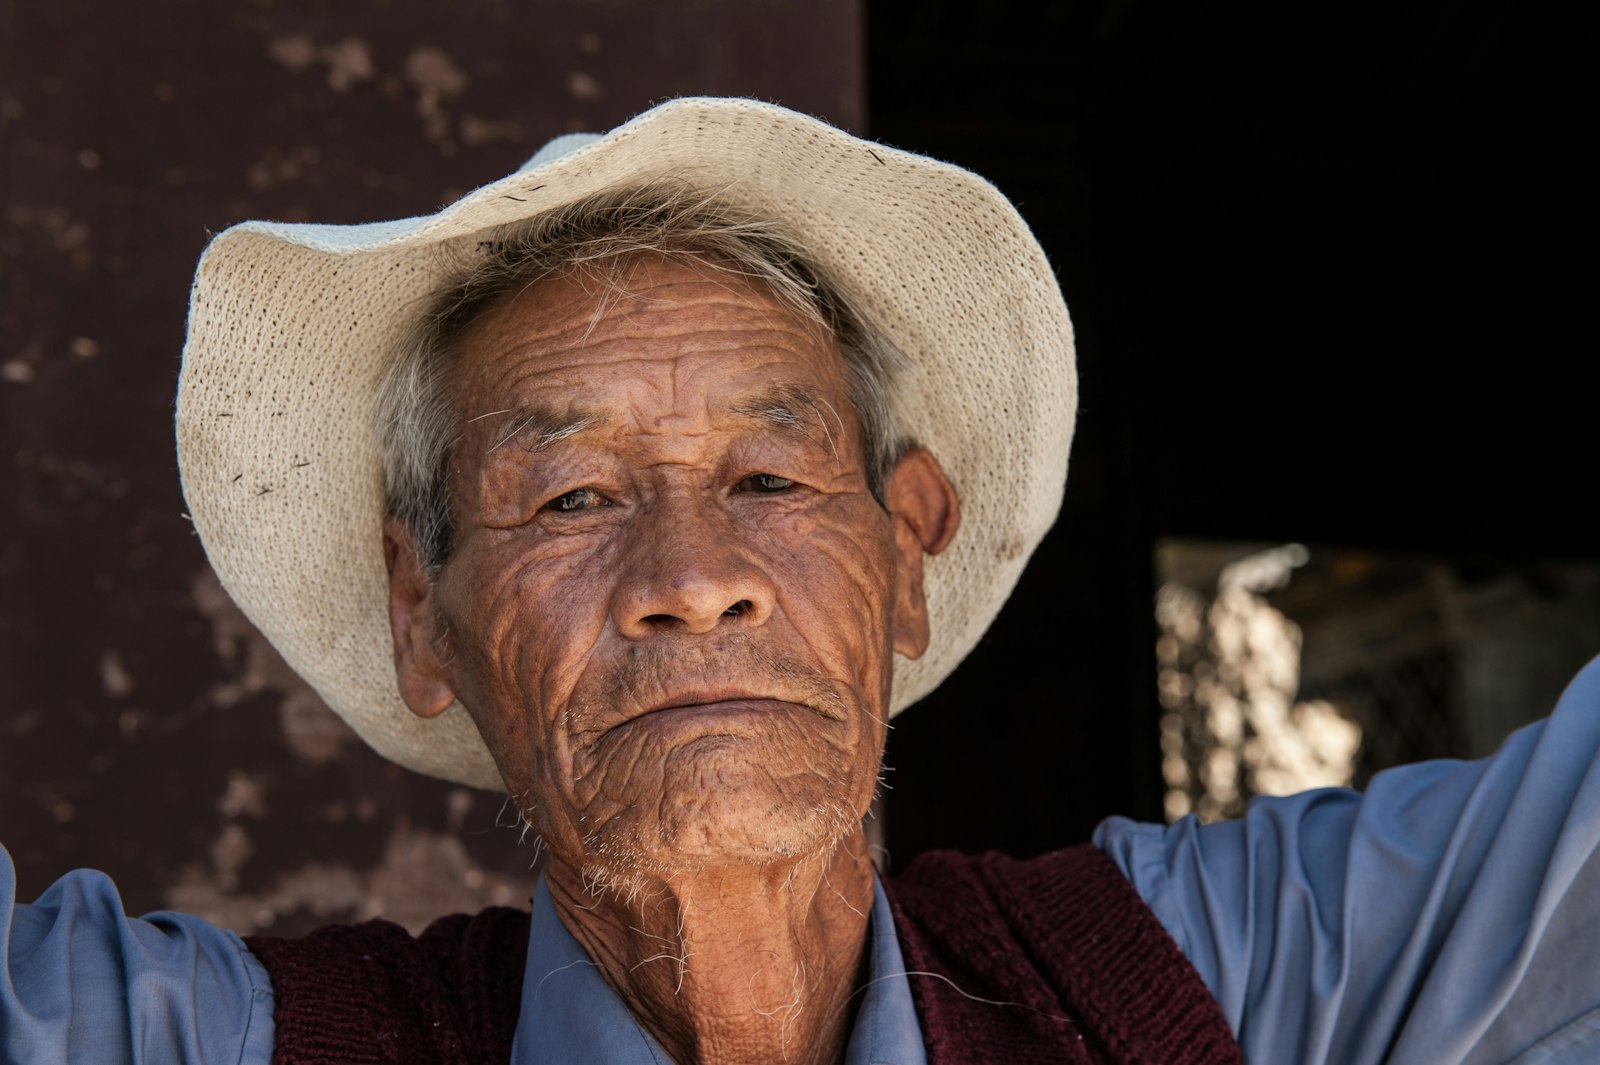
x=672, y=601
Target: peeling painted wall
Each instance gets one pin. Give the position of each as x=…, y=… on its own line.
x=145, y=727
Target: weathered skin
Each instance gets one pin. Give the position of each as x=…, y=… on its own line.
x=671, y=610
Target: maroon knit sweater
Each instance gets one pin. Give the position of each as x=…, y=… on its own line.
x=1055, y=960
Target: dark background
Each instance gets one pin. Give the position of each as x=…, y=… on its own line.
x=1331, y=272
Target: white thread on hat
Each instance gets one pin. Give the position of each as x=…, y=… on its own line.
x=290, y=327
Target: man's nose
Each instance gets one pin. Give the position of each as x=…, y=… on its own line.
x=687, y=570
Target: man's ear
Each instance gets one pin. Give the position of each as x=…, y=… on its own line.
x=413, y=621
x=926, y=513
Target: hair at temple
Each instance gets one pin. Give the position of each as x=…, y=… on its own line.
x=595, y=237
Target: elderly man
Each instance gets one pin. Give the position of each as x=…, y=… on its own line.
x=661, y=474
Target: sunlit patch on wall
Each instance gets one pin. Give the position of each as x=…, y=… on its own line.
x=1282, y=667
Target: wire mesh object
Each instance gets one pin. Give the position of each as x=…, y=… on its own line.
x=1286, y=667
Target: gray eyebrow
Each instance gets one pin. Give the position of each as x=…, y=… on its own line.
x=782, y=407
x=539, y=427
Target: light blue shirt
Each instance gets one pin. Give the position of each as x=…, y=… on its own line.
x=1450, y=915
x=82, y=983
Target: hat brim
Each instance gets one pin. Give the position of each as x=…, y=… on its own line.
x=291, y=327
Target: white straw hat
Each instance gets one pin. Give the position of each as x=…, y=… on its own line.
x=290, y=327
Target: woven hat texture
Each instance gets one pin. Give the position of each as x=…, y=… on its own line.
x=291, y=326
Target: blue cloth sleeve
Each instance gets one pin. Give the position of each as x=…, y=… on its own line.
x=82, y=982
x=1452, y=913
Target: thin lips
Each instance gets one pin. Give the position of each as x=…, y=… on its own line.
x=690, y=700
x=703, y=698
x=616, y=717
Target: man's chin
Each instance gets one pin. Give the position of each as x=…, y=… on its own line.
x=735, y=833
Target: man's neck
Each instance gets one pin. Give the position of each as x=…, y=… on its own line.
x=733, y=964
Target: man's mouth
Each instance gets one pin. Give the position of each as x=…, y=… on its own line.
x=708, y=697
x=731, y=704
x=743, y=691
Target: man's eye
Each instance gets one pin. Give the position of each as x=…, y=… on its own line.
x=577, y=499
x=765, y=482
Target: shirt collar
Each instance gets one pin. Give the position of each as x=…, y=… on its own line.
x=571, y=1015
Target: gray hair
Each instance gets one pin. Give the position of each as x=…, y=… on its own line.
x=595, y=237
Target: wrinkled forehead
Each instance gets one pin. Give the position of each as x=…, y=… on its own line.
x=650, y=330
